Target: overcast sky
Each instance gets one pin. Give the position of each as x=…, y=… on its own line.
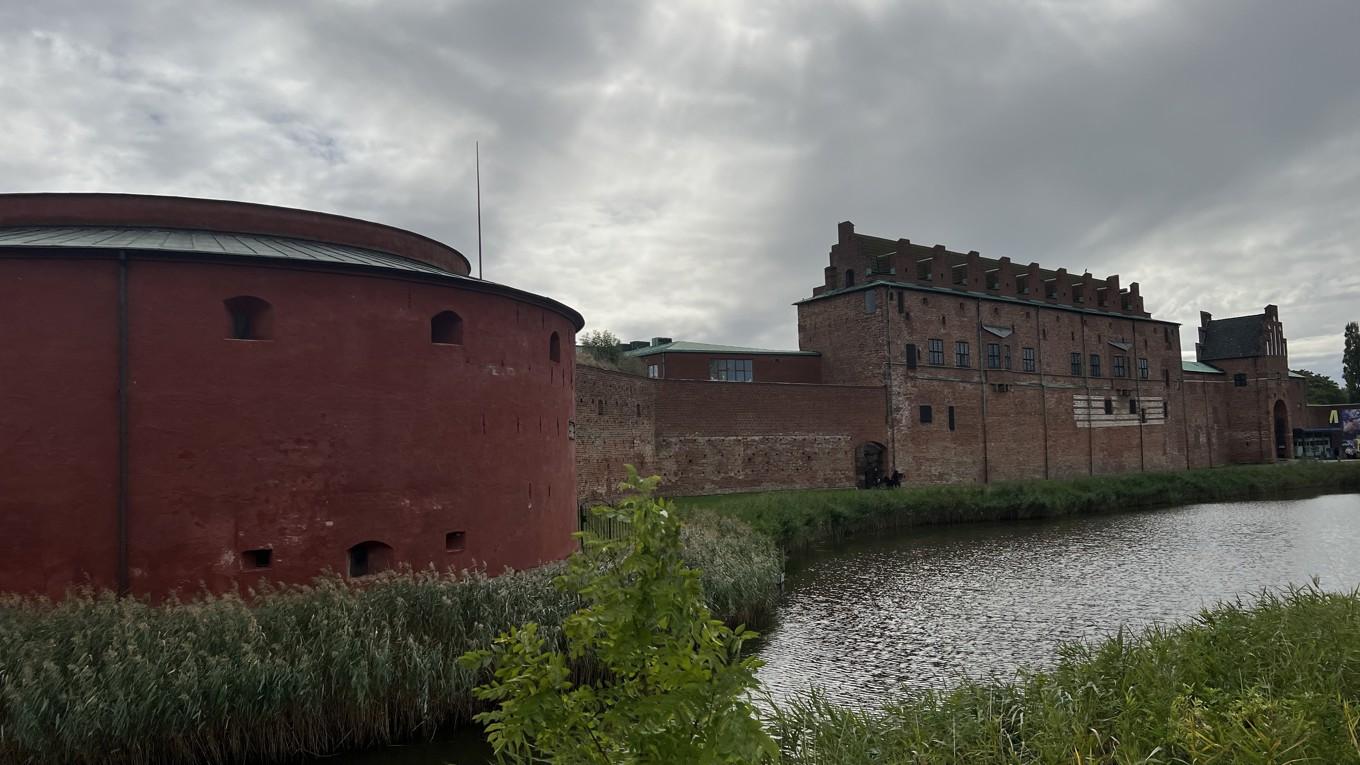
x=678, y=168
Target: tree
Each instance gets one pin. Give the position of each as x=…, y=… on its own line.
x=1350, y=361
x=603, y=345
x=670, y=684
x=1321, y=388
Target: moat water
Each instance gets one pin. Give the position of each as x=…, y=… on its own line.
x=930, y=606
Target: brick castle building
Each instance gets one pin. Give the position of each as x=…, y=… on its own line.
x=206, y=393
x=949, y=367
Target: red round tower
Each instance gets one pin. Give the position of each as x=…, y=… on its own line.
x=206, y=392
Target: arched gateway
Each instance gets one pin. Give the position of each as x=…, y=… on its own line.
x=1281, y=430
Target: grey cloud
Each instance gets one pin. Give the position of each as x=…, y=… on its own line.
x=679, y=168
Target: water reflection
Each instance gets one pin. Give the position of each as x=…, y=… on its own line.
x=927, y=607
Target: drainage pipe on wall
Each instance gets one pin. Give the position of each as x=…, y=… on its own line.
x=122, y=574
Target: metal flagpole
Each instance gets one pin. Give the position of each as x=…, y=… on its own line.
x=478, y=148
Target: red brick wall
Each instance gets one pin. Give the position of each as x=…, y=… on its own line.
x=1035, y=424
x=615, y=426
x=850, y=339
x=1247, y=426
x=349, y=425
x=718, y=437
x=710, y=437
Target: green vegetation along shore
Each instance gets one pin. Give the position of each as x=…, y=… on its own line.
x=797, y=519
x=315, y=669
x=341, y=665
x=1276, y=681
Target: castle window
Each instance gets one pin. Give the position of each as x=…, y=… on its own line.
x=1121, y=366
x=730, y=370
x=1143, y=370
x=1076, y=364
x=446, y=328
x=249, y=318
x=455, y=541
x=1095, y=365
x=1240, y=380
x=1109, y=406
x=951, y=418
x=1133, y=406
x=255, y=559
x=1006, y=355
x=870, y=301
x=1027, y=359
x=927, y=416
x=654, y=371
x=961, y=354
x=554, y=348
x=936, y=352
x=911, y=355
x=849, y=277
x=1166, y=376
x=993, y=356
x=369, y=558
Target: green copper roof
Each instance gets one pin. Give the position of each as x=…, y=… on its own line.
x=1296, y=375
x=1202, y=368
x=682, y=346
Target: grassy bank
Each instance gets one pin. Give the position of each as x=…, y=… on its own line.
x=1277, y=682
x=308, y=669
x=796, y=519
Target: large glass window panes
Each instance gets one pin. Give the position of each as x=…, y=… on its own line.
x=730, y=370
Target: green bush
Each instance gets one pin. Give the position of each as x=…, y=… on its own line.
x=674, y=687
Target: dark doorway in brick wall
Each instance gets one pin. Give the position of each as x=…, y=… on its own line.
x=1281, y=430
x=369, y=558
x=869, y=464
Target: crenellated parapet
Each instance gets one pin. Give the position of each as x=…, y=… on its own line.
x=857, y=259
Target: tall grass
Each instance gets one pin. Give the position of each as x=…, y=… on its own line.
x=1274, y=682
x=797, y=519
x=290, y=670
x=95, y=678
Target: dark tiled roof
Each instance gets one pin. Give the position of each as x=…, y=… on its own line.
x=1233, y=338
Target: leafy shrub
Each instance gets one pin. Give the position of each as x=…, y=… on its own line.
x=674, y=687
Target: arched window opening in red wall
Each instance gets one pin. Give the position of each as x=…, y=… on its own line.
x=446, y=328
x=369, y=558
x=249, y=318
x=554, y=348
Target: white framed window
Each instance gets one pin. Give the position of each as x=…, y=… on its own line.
x=654, y=371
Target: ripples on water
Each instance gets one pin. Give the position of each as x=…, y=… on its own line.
x=929, y=606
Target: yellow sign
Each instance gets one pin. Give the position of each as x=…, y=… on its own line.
x=1332, y=418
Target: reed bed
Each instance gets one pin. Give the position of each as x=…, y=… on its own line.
x=290, y=670
x=1276, y=681
x=798, y=519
